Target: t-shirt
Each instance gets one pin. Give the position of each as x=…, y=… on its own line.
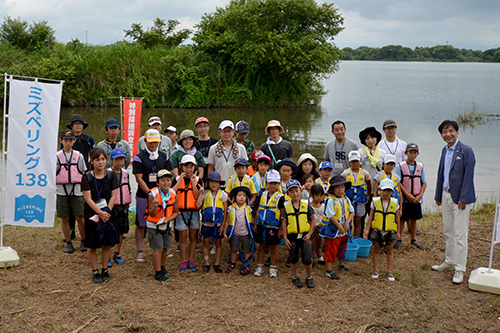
x=240, y=224
x=141, y=164
x=108, y=147
x=318, y=213
x=250, y=146
x=412, y=171
x=337, y=154
x=224, y=164
x=396, y=148
x=104, y=187
x=203, y=146
x=177, y=157
x=70, y=188
x=281, y=150
x=330, y=212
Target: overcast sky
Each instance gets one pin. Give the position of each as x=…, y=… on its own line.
x=467, y=24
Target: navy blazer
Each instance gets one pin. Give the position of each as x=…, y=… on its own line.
x=461, y=175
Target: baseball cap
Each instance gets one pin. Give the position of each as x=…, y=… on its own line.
x=171, y=129
x=411, y=146
x=163, y=173
x=255, y=154
x=354, y=156
x=152, y=135
x=154, y=120
x=68, y=134
x=292, y=183
x=240, y=161
x=264, y=157
x=389, y=158
x=389, y=123
x=201, y=120
x=112, y=122
x=188, y=159
x=273, y=176
x=325, y=165
x=226, y=123
x=386, y=184
x=117, y=152
x=242, y=127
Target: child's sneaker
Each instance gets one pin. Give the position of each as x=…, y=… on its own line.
x=273, y=272
x=414, y=243
x=69, y=248
x=310, y=282
x=343, y=268
x=206, y=268
x=258, y=271
x=105, y=275
x=331, y=275
x=212, y=251
x=110, y=264
x=139, y=256
x=375, y=275
x=217, y=269
x=170, y=254
x=245, y=271
x=161, y=278
x=296, y=282
x=398, y=243
x=118, y=259
x=183, y=266
x=321, y=261
x=164, y=271
x=230, y=268
x=97, y=278
x=191, y=266
x=390, y=277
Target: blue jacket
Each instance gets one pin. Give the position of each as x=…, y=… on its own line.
x=461, y=175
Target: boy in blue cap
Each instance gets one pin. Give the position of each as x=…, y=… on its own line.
x=114, y=141
x=325, y=170
x=241, y=178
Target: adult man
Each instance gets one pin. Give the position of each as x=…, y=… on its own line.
x=337, y=151
x=276, y=147
x=455, y=193
x=204, y=141
x=242, y=131
x=391, y=144
x=165, y=144
x=114, y=141
x=146, y=165
x=171, y=133
x=222, y=155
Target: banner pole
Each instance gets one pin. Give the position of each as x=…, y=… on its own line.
x=3, y=157
x=121, y=116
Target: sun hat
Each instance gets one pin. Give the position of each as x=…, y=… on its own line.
x=163, y=173
x=234, y=191
x=242, y=127
x=201, y=120
x=154, y=120
x=389, y=158
x=255, y=154
x=273, y=176
x=354, y=155
x=389, y=123
x=216, y=177
x=264, y=157
x=187, y=134
x=274, y=123
x=307, y=156
x=325, y=165
x=188, y=159
x=226, y=123
x=240, y=161
x=68, y=134
x=291, y=184
x=117, y=152
x=170, y=129
x=336, y=181
x=77, y=117
x=412, y=146
x=112, y=122
x=152, y=135
x=286, y=161
x=386, y=184
x=372, y=131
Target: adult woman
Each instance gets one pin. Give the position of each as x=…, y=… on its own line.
x=371, y=155
x=276, y=147
x=186, y=142
x=306, y=164
x=99, y=189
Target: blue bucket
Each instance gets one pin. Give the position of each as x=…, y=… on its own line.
x=351, y=252
x=364, y=246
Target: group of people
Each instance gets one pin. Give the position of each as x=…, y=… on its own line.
x=224, y=188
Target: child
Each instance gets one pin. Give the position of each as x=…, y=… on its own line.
x=114, y=141
x=360, y=191
x=338, y=215
x=69, y=170
x=297, y=223
x=123, y=199
x=241, y=179
x=325, y=170
x=413, y=185
x=259, y=178
x=287, y=168
x=213, y=205
x=99, y=189
x=162, y=209
x=187, y=190
x=388, y=173
x=317, y=198
x=308, y=184
x=383, y=223
x=253, y=168
x=238, y=227
x=267, y=226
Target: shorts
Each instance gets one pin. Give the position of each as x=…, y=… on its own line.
x=244, y=241
x=359, y=209
x=141, y=204
x=160, y=239
x=121, y=220
x=411, y=211
x=188, y=219
x=304, y=248
x=335, y=248
x=382, y=237
x=211, y=232
x=258, y=236
x=63, y=204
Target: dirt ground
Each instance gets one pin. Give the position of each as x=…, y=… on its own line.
x=53, y=292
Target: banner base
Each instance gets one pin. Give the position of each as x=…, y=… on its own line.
x=8, y=257
x=485, y=280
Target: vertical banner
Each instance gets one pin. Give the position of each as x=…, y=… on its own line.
x=132, y=109
x=33, y=125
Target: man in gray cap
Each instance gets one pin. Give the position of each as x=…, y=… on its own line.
x=391, y=144
x=172, y=134
x=165, y=144
x=242, y=130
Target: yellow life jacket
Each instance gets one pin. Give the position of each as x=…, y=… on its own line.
x=395, y=193
x=211, y=212
x=234, y=182
x=269, y=214
x=385, y=220
x=298, y=222
x=337, y=208
x=357, y=192
x=232, y=219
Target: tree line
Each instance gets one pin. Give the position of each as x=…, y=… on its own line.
x=435, y=53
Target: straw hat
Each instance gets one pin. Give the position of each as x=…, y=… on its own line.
x=274, y=123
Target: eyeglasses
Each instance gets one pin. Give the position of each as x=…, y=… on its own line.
x=227, y=131
x=202, y=126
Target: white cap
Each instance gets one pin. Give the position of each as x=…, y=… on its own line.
x=386, y=184
x=171, y=129
x=226, y=123
x=188, y=159
x=154, y=120
x=354, y=155
x=389, y=158
x=273, y=176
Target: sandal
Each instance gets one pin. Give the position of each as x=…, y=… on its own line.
x=217, y=269
x=245, y=271
x=206, y=268
x=230, y=269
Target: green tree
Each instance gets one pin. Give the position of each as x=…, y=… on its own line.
x=161, y=33
x=19, y=33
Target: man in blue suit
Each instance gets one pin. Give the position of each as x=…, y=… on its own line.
x=455, y=194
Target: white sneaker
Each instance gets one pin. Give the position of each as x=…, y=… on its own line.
x=375, y=275
x=258, y=271
x=444, y=266
x=213, y=250
x=458, y=277
x=273, y=272
x=390, y=277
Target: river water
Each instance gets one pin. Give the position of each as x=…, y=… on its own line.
x=417, y=95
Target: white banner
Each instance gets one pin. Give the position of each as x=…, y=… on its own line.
x=33, y=126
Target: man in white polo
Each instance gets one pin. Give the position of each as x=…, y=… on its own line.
x=391, y=144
